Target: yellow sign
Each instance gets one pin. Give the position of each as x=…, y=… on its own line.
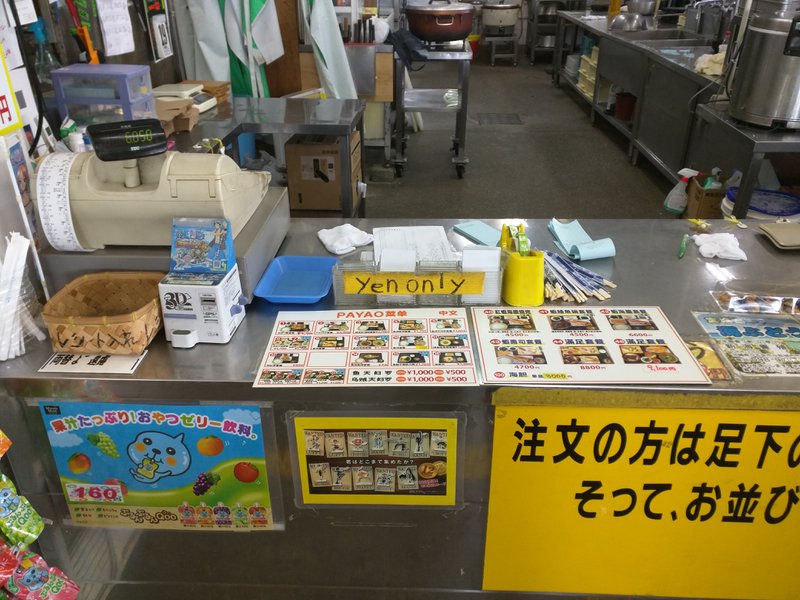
x=377, y=460
x=661, y=502
x=10, y=117
x=446, y=283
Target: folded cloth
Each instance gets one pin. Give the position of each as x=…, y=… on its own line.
x=711, y=64
x=343, y=239
x=723, y=245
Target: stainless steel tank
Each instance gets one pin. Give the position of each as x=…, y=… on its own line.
x=766, y=84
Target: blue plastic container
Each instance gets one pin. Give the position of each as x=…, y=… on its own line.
x=296, y=279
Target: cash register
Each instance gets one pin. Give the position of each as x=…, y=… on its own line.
x=112, y=209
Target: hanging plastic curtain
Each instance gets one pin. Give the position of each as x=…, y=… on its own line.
x=201, y=35
x=254, y=39
x=333, y=67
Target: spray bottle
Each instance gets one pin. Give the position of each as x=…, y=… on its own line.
x=678, y=198
x=45, y=60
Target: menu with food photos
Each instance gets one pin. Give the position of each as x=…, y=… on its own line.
x=415, y=346
x=557, y=345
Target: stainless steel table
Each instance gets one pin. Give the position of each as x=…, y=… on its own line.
x=347, y=552
x=286, y=116
x=755, y=142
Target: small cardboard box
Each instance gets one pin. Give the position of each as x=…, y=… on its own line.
x=201, y=307
x=314, y=170
x=703, y=204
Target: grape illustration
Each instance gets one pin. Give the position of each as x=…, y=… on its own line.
x=204, y=482
x=104, y=443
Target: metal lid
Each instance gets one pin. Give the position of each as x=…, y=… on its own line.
x=441, y=7
x=500, y=6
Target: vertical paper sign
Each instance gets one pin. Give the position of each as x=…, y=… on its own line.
x=644, y=502
x=161, y=466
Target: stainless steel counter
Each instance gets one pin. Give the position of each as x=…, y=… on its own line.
x=646, y=270
x=678, y=128
x=680, y=58
x=353, y=552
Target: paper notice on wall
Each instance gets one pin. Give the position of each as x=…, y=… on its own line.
x=115, y=23
x=25, y=10
x=8, y=43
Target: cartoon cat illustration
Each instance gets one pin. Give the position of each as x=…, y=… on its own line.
x=158, y=455
x=9, y=502
x=33, y=578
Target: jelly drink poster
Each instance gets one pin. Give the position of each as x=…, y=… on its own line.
x=161, y=466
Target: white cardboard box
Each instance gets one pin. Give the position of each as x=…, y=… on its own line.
x=199, y=307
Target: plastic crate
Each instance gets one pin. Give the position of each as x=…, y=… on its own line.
x=126, y=87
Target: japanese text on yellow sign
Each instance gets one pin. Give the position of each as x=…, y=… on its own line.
x=445, y=283
x=689, y=503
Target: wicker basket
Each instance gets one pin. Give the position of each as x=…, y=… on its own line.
x=105, y=313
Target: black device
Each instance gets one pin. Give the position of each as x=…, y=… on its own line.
x=128, y=139
x=792, y=47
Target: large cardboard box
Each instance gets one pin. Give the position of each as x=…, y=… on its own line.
x=703, y=204
x=314, y=171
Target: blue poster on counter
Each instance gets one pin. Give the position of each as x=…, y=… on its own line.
x=161, y=466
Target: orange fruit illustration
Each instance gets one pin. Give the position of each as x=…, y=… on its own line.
x=79, y=463
x=210, y=445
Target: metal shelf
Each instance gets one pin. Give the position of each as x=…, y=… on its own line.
x=432, y=100
x=625, y=127
x=567, y=78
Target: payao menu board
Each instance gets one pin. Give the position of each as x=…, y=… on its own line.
x=419, y=346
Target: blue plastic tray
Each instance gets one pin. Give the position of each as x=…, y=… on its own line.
x=296, y=279
x=768, y=202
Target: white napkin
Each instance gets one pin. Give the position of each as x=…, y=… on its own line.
x=723, y=245
x=343, y=239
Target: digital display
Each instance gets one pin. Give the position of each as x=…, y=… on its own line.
x=128, y=139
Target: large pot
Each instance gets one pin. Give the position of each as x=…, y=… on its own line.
x=500, y=15
x=440, y=22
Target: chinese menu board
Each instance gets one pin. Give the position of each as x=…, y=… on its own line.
x=756, y=345
x=369, y=347
x=376, y=460
x=644, y=502
x=161, y=467
x=581, y=345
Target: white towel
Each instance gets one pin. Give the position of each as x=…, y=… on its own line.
x=723, y=245
x=343, y=239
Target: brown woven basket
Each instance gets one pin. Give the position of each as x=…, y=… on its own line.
x=105, y=313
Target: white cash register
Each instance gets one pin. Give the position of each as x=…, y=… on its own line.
x=126, y=193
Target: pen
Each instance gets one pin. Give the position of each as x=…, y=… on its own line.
x=682, y=247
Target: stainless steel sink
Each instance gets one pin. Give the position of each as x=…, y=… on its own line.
x=659, y=34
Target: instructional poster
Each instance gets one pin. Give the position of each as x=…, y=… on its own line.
x=581, y=345
x=376, y=460
x=369, y=347
x=756, y=345
x=635, y=502
x=161, y=466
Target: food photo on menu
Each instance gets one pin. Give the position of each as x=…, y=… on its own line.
x=520, y=355
x=586, y=355
x=572, y=322
x=513, y=320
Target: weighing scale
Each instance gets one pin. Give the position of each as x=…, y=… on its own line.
x=193, y=91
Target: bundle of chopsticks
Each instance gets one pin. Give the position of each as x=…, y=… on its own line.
x=565, y=280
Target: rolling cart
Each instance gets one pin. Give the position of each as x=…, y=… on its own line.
x=434, y=100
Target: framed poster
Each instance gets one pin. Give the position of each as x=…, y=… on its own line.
x=379, y=460
x=163, y=466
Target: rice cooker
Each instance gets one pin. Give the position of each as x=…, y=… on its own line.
x=769, y=95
